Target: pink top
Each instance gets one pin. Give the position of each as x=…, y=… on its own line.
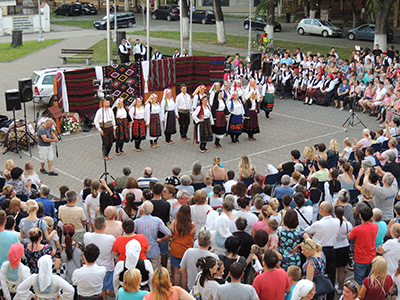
x=365, y=143
x=368, y=93
x=273, y=240
x=260, y=225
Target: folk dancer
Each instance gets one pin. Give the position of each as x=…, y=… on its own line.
x=286, y=82
x=226, y=91
x=268, y=92
x=124, y=50
x=251, y=110
x=237, y=87
x=213, y=90
x=327, y=91
x=136, y=112
x=219, y=113
x=184, y=106
x=123, y=123
x=169, y=114
x=235, y=125
x=197, y=95
x=152, y=118
x=104, y=121
x=203, y=124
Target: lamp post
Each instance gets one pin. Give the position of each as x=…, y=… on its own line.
x=191, y=29
x=115, y=21
x=108, y=32
x=181, y=24
x=41, y=38
x=148, y=29
x=249, y=44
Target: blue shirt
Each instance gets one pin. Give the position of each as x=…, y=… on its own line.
x=343, y=88
x=122, y=295
x=288, y=296
x=281, y=191
x=382, y=229
x=48, y=207
x=7, y=238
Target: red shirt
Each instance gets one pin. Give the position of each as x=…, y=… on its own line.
x=121, y=241
x=364, y=247
x=376, y=293
x=272, y=285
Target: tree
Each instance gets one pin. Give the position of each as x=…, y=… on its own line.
x=381, y=10
x=219, y=22
x=313, y=8
x=185, y=19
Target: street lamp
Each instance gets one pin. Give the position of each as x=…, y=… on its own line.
x=108, y=32
x=148, y=29
x=191, y=30
x=181, y=24
x=249, y=44
x=41, y=38
x=115, y=21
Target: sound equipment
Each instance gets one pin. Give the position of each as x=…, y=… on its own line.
x=13, y=100
x=25, y=89
x=267, y=68
x=255, y=60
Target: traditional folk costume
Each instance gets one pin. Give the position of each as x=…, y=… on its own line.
x=219, y=111
x=237, y=87
x=313, y=87
x=139, y=124
x=169, y=111
x=326, y=92
x=286, y=84
x=268, y=92
x=122, y=119
x=260, y=80
x=196, y=100
x=104, y=120
x=226, y=93
x=152, y=118
x=235, y=125
x=251, y=109
x=184, y=106
x=214, y=89
x=250, y=88
x=203, y=130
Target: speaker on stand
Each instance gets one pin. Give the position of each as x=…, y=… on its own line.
x=267, y=68
x=255, y=61
x=26, y=95
x=13, y=103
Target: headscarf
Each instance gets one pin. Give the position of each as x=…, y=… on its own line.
x=45, y=266
x=302, y=288
x=116, y=102
x=132, y=252
x=14, y=254
x=165, y=97
x=211, y=222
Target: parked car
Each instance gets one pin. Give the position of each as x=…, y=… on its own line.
x=169, y=12
x=42, y=83
x=124, y=19
x=258, y=23
x=203, y=16
x=69, y=9
x=318, y=26
x=89, y=9
x=367, y=32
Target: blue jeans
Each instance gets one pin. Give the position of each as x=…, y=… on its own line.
x=361, y=271
x=163, y=247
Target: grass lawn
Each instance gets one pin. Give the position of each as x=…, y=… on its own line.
x=8, y=53
x=242, y=42
x=100, y=51
x=84, y=24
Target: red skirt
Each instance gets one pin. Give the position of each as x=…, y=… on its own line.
x=155, y=125
x=122, y=132
x=138, y=130
x=251, y=125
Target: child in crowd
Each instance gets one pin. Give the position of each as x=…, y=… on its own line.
x=332, y=187
x=294, y=273
x=215, y=201
x=274, y=203
x=9, y=164
x=373, y=137
x=369, y=155
x=380, y=137
x=231, y=182
x=208, y=188
x=258, y=203
x=286, y=200
x=218, y=277
x=55, y=241
x=267, y=193
x=273, y=239
x=348, y=148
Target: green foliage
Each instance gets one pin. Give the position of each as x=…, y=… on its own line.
x=85, y=24
x=262, y=8
x=8, y=53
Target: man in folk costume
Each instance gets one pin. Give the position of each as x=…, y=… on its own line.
x=248, y=72
x=124, y=50
x=176, y=54
x=313, y=87
x=251, y=109
x=184, y=106
x=123, y=123
x=156, y=55
x=104, y=121
x=296, y=79
x=203, y=124
x=268, y=92
x=138, y=49
x=327, y=91
x=301, y=90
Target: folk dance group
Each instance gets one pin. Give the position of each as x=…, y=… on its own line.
x=226, y=110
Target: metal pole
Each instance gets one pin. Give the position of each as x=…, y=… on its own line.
x=144, y=19
x=115, y=21
x=41, y=38
x=108, y=32
x=249, y=46
x=181, y=24
x=191, y=29
x=148, y=29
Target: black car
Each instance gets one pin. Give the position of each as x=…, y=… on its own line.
x=169, y=12
x=88, y=8
x=124, y=19
x=258, y=23
x=69, y=9
x=203, y=16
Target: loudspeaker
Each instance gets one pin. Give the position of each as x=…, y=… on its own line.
x=267, y=68
x=255, y=60
x=13, y=100
x=25, y=89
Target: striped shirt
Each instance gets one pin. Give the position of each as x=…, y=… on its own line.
x=149, y=226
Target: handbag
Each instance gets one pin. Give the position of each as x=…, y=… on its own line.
x=195, y=289
x=323, y=285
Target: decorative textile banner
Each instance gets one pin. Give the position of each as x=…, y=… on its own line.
x=202, y=69
x=162, y=74
x=185, y=72
x=80, y=91
x=57, y=82
x=217, y=68
x=126, y=81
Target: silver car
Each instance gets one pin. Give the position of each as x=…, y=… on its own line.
x=318, y=26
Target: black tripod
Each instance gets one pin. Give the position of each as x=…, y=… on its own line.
x=353, y=119
x=15, y=148
x=28, y=135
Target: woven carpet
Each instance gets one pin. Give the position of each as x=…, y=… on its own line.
x=57, y=80
x=162, y=74
x=217, y=68
x=126, y=81
x=81, y=90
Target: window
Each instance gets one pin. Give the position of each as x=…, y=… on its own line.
x=307, y=22
x=48, y=79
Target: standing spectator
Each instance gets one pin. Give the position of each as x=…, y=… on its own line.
x=232, y=245
x=274, y=282
x=364, y=246
x=49, y=209
x=206, y=284
x=246, y=240
x=35, y=249
x=120, y=182
x=149, y=226
x=200, y=210
x=304, y=290
x=92, y=202
x=182, y=199
x=113, y=226
x=382, y=227
x=244, y=204
x=124, y=49
x=105, y=243
x=7, y=238
x=131, y=286
x=390, y=250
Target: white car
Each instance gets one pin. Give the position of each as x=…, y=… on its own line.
x=318, y=26
x=42, y=83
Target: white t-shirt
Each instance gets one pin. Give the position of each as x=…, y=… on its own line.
x=89, y=280
x=250, y=217
x=228, y=185
x=199, y=216
x=341, y=238
x=105, y=242
x=33, y=178
x=392, y=255
x=94, y=203
x=396, y=280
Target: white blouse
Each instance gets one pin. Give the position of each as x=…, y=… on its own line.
x=138, y=113
x=221, y=105
x=237, y=107
x=155, y=109
x=121, y=113
x=206, y=111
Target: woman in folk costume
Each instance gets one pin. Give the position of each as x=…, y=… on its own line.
x=123, y=122
x=240, y=72
x=226, y=91
x=327, y=90
x=203, y=124
x=237, y=87
x=296, y=83
x=13, y=272
x=45, y=285
x=136, y=112
x=235, y=125
x=214, y=89
x=152, y=118
x=312, y=93
x=301, y=91
x=251, y=109
x=169, y=114
x=219, y=112
x=132, y=261
x=260, y=80
x=197, y=95
x=268, y=92
x=250, y=88
x=286, y=82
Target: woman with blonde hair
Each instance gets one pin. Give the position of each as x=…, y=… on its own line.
x=309, y=156
x=9, y=165
x=379, y=283
x=162, y=288
x=169, y=114
x=365, y=142
x=153, y=120
x=263, y=218
x=137, y=113
x=123, y=123
x=30, y=174
x=93, y=202
x=390, y=250
x=333, y=150
x=217, y=172
x=131, y=286
x=246, y=169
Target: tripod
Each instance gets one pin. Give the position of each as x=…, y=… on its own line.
x=353, y=119
x=14, y=149
x=27, y=134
